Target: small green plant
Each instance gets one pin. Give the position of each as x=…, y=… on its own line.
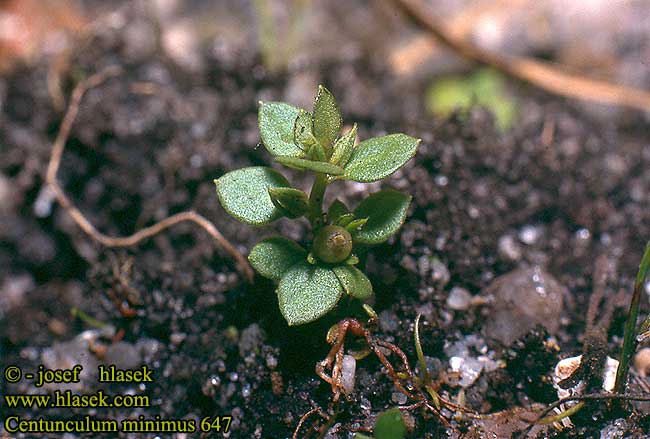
x=311, y=282
x=389, y=425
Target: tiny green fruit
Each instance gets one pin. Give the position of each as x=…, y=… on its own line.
x=311, y=283
x=332, y=244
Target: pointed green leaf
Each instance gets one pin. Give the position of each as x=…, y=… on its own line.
x=386, y=212
x=316, y=153
x=302, y=135
x=276, y=121
x=390, y=425
x=344, y=220
x=353, y=281
x=327, y=117
x=306, y=292
x=356, y=225
x=273, y=256
x=293, y=201
x=244, y=194
x=376, y=158
x=336, y=210
x=344, y=147
x=303, y=164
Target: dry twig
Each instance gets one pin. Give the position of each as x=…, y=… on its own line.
x=142, y=234
x=538, y=73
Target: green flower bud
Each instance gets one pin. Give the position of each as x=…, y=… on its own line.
x=332, y=244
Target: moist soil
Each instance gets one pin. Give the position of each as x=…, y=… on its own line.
x=560, y=188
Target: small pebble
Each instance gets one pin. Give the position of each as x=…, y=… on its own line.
x=524, y=298
x=529, y=234
x=439, y=273
x=398, y=398
x=348, y=371
x=177, y=338
x=459, y=299
x=508, y=248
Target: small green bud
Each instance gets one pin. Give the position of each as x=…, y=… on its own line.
x=293, y=202
x=332, y=244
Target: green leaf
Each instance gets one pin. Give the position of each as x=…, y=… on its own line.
x=390, y=425
x=293, y=201
x=303, y=164
x=337, y=210
x=306, y=292
x=356, y=225
x=376, y=158
x=273, y=256
x=344, y=220
x=276, y=121
x=316, y=153
x=344, y=147
x=327, y=117
x=302, y=135
x=360, y=436
x=386, y=212
x=244, y=194
x=354, y=282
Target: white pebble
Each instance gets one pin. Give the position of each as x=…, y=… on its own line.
x=348, y=371
x=459, y=299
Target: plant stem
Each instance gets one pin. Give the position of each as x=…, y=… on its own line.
x=87, y=319
x=629, y=337
x=316, y=201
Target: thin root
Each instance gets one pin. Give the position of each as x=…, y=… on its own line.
x=142, y=234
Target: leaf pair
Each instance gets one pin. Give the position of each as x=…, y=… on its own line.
x=305, y=291
x=306, y=141
x=260, y=195
x=288, y=131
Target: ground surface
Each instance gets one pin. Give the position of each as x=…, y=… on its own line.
x=558, y=190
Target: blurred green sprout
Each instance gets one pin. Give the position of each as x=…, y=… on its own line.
x=485, y=87
x=312, y=281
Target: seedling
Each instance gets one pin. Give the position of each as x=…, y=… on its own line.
x=389, y=425
x=629, y=336
x=312, y=281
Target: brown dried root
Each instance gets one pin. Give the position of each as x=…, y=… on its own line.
x=403, y=379
x=334, y=359
x=123, y=241
x=314, y=427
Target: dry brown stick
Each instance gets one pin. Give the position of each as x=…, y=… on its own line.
x=538, y=73
x=123, y=241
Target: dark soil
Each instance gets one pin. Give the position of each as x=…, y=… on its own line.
x=215, y=342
